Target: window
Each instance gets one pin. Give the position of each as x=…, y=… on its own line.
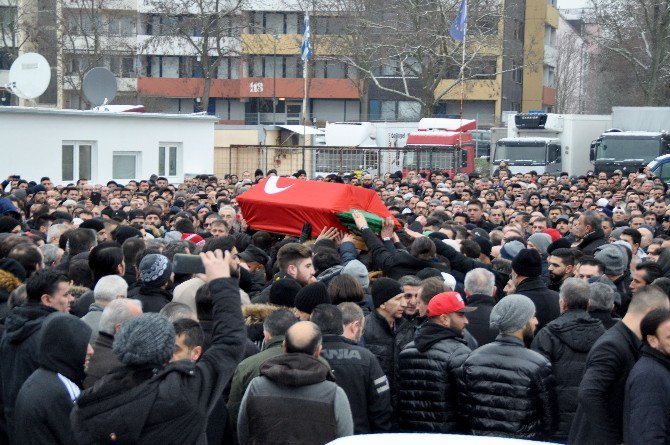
x=77, y=160
x=169, y=159
x=124, y=164
x=548, y=76
x=517, y=72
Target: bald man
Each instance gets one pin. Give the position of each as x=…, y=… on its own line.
x=320, y=411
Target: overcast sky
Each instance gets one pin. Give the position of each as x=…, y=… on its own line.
x=567, y=4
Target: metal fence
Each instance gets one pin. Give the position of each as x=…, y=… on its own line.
x=323, y=160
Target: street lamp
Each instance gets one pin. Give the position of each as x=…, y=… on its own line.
x=275, y=38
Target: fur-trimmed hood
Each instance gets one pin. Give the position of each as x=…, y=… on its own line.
x=8, y=281
x=257, y=312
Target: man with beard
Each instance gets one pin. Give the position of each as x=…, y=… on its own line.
x=561, y=265
x=508, y=389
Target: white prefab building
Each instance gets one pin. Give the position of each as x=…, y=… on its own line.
x=67, y=145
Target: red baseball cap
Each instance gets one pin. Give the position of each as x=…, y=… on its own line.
x=447, y=303
x=553, y=233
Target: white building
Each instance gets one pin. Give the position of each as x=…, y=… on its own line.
x=67, y=145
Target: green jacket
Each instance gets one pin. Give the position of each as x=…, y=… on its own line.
x=249, y=369
x=246, y=371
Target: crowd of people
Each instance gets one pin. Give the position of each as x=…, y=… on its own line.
x=512, y=305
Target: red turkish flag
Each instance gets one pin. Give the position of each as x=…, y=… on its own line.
x=283, y=205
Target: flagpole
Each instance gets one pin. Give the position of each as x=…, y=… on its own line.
x=465, y=31
x=305, y=54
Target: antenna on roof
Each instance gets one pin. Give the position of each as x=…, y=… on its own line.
x=29, y=76
x=99, y=86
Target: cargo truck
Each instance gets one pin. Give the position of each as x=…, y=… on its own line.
x=638, y=137
x=547, y=142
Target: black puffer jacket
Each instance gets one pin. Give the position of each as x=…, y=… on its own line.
x=386, y=343
x=508, y=391
x=427, y=380
x=566, y=342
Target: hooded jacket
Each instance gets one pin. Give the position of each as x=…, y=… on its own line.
x=19, y=350
x=145, y=405
x=427, y=378
x=45, y=400
x=566, y=342
x=319, y=411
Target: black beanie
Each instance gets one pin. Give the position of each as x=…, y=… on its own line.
x=311, y=296
x=7, y=224
x=383, y=289
x=527, y=263
x=560, y=243
x=122, y=233
x=96, y=224
x=283, y=292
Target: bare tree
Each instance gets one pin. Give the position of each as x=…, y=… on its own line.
x=404, y=46
x=206, y=30
x=571, y=72
x=94, y=33
x=638, y=33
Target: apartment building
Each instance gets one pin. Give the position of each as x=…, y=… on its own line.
x=259, y=78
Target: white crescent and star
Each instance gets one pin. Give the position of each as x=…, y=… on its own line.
x=271, y=187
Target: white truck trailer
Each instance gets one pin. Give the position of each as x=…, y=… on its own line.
x=550, y=143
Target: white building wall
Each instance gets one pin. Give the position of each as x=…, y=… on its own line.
x=33, y=139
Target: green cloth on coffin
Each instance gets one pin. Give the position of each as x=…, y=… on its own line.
x=374, y=221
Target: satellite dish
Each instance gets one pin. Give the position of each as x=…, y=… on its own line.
x=99, y=86
x=29, y=76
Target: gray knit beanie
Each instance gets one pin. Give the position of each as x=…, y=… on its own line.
x=613, y=257
x=512, y=313
x=541, y=241
x=357, y=270
x=145, y=340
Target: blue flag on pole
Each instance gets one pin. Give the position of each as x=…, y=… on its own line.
x=306, y=47
x=458, y=27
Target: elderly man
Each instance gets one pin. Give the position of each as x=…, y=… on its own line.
x=106, y=290
x=565, y=342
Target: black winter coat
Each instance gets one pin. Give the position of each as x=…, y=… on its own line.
x=399, y=263
x=508, y=391
x=102, y=361
x=646, y=420
x=566, y=342
x=45, y=400
x=478, y=321
x=19, y=350
x=599, y=417
x=153, y=298
x=358, y=373
x=591, y=242
x=427, y=381
x=386, y=343
x=605, y=317
x=171, y=405
x=546, y=301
